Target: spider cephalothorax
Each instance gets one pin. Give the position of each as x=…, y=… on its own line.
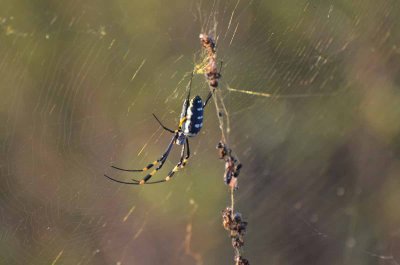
x=190, y=124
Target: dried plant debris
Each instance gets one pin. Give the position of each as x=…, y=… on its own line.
x=234, y=223
x=239, y=260
x=232, y=165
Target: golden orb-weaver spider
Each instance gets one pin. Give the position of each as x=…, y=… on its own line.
x=190, y=124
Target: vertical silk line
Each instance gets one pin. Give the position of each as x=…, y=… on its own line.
x=232, y=221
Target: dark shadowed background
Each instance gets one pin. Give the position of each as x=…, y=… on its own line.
x=312, y=92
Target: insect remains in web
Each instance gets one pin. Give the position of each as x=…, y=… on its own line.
x=209, y=65
x=190, y=124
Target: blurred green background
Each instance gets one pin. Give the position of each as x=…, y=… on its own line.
x=320, y=147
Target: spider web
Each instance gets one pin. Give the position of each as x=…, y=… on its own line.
x=311, y=91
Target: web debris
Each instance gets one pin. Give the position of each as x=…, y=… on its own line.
x=231, y=220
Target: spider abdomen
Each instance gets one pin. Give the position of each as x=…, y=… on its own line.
x=194, y=117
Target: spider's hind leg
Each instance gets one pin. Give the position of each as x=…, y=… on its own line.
x=183, y=161
x=160, y=161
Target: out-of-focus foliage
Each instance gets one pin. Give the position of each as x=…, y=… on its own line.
x=320, y=143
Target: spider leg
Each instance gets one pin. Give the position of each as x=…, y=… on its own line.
x=135, y=182
x=187, y=154
x=130, y=170
x=162, y=125
x=123, y=182
x=190, y=87
x=220, y=68
x=172, y=172
x=160, y=160
x=182, y=163
x=208, y=97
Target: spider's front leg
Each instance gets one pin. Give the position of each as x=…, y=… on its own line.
x=160, y=161
x=208, y=98
x=163, y=126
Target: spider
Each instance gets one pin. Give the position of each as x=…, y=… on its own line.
x=190, y=124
